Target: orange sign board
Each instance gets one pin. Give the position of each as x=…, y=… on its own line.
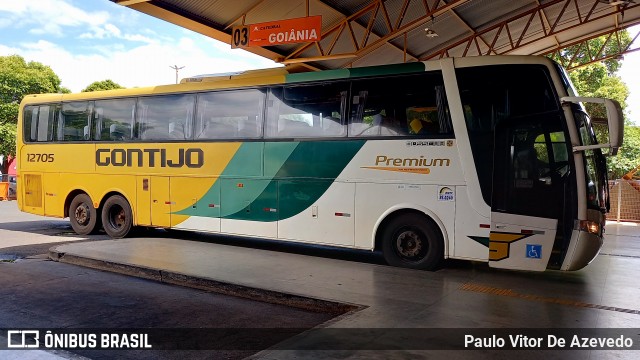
x=305, y=29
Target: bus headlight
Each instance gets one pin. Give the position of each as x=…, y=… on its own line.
x=590, y=226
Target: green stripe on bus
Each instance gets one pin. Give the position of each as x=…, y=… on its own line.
x=300, y=172
x=242, y=180
x=381, y=70
x=394, y=69
x=317, y=76
x=301, y=181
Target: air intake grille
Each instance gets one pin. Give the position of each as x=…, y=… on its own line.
x=33, y=190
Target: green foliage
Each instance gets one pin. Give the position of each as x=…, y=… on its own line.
x=599, y=80
x=600, y=47
x=628, y=157
x=9, y=112
x=8, y=138
x=595, y=81
x=17, y=79
x=102, y=85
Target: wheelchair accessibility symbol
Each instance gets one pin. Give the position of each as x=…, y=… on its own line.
x=534, y=251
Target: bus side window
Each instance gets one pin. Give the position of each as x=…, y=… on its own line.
x=73, y=123
x=307, y=110
x=39, y=123
x=165, y=117
x=230, y=114
x=113, y=119
x=409, y=105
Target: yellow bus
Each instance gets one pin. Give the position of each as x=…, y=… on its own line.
x=488, y=159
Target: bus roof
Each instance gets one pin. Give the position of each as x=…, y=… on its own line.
x=273, y=76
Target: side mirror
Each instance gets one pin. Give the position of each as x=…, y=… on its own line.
x=614, y=122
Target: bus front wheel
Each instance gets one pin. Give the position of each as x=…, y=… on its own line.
x=83, y=216
x=117, y=218
x=412, y=241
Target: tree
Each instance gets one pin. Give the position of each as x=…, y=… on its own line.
x=599, y=80
x=628, y=157
x=17, y=79
x=103, y=85
x=595, y=81
x=606, y=47
x=7, y=139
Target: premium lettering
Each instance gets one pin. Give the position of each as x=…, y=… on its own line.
x=191, y=158
x=411, y=162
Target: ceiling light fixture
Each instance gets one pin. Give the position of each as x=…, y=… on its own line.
x=429, y=32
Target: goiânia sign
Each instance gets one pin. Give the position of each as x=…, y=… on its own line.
x=305, y=29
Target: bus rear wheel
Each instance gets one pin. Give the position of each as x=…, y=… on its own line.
x=83, y=216
x=117, y=218
x=412, y=241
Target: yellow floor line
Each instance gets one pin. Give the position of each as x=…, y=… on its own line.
x=544, y=299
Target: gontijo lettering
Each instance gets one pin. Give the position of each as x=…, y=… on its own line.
x=191, y=158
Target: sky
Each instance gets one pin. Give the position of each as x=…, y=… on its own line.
x=91, y=40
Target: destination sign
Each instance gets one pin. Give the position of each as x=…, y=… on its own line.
x=298, y=30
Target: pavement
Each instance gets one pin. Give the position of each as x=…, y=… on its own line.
x=462, y=295
x=390, y=312
x=38, y=294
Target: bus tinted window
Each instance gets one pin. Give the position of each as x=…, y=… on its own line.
x=73, y=122
x=114, y=119
x=167, y=117
x=229, y=114
x=308, y=111
x=30, y=120
x=412, y=105
x=39, y=123
x=491, y=94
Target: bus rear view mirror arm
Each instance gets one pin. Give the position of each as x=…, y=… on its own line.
x=614, y=122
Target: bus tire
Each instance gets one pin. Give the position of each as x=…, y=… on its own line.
x=412, y=241
x=117, y=218
x=83, y=216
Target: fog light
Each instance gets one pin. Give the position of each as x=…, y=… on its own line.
x=590, y=226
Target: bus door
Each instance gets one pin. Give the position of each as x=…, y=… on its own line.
x=153, y=201
x=160, y=201
x=529, y=187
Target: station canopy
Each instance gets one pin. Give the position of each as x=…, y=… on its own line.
x=357, y=33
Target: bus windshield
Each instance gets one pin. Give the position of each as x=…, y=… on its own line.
x=595, y=163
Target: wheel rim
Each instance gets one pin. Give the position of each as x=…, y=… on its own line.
x=82, y=214
x=117, y=217
x=410, y=244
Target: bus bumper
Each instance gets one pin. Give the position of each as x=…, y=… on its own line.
x=586, y=247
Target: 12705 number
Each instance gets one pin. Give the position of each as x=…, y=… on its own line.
x=40, y=157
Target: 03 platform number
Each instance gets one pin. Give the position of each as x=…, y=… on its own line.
x=240, y=36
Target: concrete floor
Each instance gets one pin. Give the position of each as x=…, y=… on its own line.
x=462, y=295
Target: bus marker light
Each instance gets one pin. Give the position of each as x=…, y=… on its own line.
x=212, y=205
x=485, y=226
x=343, y=214
x=240, y=185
